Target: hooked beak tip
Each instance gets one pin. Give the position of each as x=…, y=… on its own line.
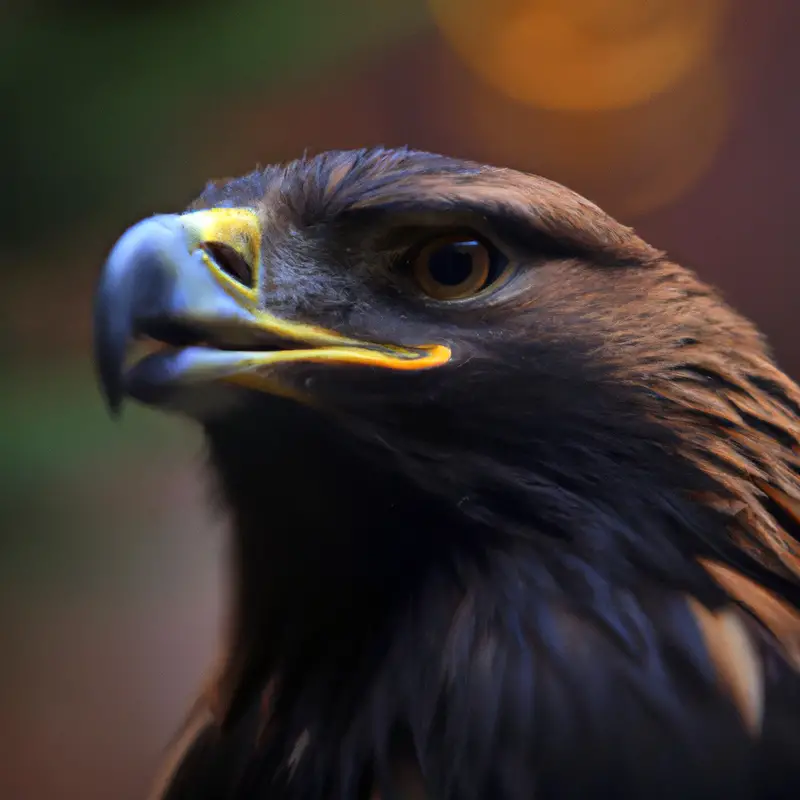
x=110, y=377
x=135, y=273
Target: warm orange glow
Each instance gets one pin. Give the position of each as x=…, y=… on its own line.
x=580, y=54
x=630, y=161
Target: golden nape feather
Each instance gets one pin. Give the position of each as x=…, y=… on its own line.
x=514, y=498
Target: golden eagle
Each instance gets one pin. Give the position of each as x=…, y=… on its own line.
x=514, y=498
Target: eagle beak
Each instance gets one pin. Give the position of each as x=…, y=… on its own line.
x=168, y=281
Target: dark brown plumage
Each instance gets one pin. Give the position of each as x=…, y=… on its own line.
x=560, y=560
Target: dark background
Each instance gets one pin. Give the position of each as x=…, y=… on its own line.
x=679, y=116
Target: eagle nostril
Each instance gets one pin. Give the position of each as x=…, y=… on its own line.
x=230, y=262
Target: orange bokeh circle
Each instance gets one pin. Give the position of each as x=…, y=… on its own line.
x=630, y=161
x=580, y=55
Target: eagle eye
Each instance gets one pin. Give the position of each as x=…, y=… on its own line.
x=456, y=267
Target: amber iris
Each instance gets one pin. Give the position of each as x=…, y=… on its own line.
x=454, y=268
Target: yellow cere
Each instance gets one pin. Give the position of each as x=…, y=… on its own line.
x=239, y=228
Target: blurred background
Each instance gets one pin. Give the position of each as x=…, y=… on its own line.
x=680, y=117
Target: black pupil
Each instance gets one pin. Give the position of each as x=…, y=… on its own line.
x=451, y=265
x=228, y=260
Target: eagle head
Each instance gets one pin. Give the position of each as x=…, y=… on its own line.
x=423, y=379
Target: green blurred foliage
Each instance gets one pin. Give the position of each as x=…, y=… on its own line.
x=61, y=460
x=89, y=97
